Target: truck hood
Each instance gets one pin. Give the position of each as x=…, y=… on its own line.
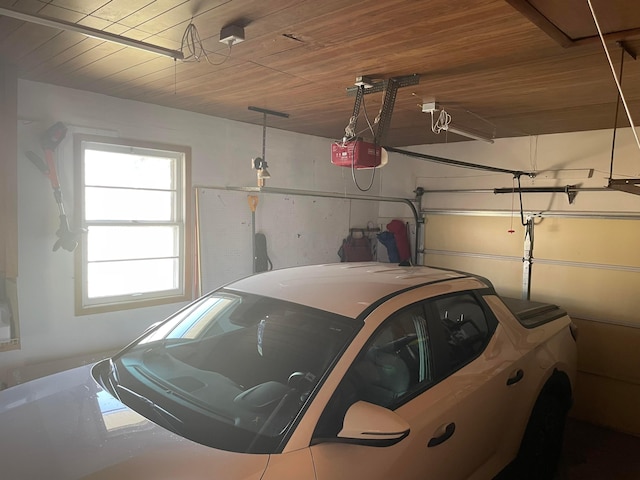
x=67, y=427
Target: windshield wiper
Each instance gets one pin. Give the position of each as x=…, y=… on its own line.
x=166, y=418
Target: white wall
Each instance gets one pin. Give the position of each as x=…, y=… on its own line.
x=221, y=153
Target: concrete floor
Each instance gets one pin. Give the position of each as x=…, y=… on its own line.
x=592, y=453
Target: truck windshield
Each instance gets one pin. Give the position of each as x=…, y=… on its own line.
x=232, y=370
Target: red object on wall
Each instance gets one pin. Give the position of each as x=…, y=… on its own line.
x=358, y=152
x=399, y=230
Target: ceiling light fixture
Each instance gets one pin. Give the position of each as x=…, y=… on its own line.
x=91, y=32
x=469, y=134
x=443, y=123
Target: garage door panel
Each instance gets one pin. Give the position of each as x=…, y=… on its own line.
x=608, y=350
x=603, y=241
x=589, y=266
x=477, y=234
x=505, y=275
x=592, y=293
x=606, y=401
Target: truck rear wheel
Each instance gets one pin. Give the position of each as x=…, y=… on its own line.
x=542, y=442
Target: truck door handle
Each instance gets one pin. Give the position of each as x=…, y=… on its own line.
x=519, y=375
x=448, y=431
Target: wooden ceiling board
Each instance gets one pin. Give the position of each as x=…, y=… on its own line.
x=63, y=60
x=130, y=68
x=209, y=22
x=415, y=48
x=490, y=65
x=27, y=39
x=121, y=11
x=124, y=75
x=8, y=26
x=81, y=6
x=30, y=6
x=89, y=65
x=47, y=52
x=24, y=40
x=83, y=77
x=251, y=81
x=159, y=16
x=165, y=80
x=574, y=17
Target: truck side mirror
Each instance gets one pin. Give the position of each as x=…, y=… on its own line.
x=372, y=425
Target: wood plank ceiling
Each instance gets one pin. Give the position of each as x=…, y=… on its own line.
x=503, y=67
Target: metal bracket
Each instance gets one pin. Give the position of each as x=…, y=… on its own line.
x=628, y=185
x=527, y=259
x=625, y=46
x=380, y=85
x=356, y=108
x=390, y=87
x=386, y=111
x=570, y=190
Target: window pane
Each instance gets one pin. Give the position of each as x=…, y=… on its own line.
x=395, y=362
x=132, y=205
x=125, y=204
x=135, y=242
x=465, y=327
x=128, y=170
x=131, y=277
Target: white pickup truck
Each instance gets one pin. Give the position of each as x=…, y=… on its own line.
x=324, y=372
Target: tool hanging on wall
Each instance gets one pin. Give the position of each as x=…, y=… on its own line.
x=261, y=260
x=253, y=204
x=67, y=239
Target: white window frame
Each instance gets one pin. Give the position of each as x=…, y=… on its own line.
x=181, y=219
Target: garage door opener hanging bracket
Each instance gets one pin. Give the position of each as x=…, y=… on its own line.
x=260, y=163
x=628, y=185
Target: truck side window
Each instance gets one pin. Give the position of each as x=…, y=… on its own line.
x=463, y=328
x=396, y=359
x=395, y=363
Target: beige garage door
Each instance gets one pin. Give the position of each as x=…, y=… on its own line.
x=588, y=265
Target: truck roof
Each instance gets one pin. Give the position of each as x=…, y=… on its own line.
x=347, y=289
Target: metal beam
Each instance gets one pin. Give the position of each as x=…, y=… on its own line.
x=569, y=190
x=91, y=32
x=539, y=214
x=458, y=163
x=268, y=112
